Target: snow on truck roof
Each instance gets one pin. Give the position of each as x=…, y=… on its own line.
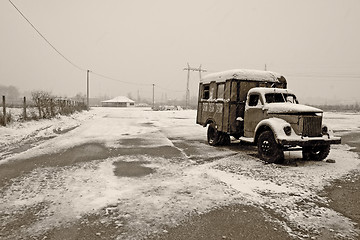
x=242, y=74
x=270, y=90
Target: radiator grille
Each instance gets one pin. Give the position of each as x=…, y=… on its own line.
x=312, y=126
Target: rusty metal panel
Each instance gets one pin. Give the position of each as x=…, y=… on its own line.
x=232, y=118
x=244, y=89
x=236, y=110
x=215, y=110
x=226, y=117
x=199, y=113
x=227, y=89
x=234, y=90
x=218, y=115
x=205, y=112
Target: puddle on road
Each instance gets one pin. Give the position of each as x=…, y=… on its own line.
x=131, y=142
x=139, y=146
x=146, y=124
x=131, y=169
x=86, y=153
x=82, y=153
x=167, y=152
x=353, y=140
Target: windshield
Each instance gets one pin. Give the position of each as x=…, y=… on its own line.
x=280, y=97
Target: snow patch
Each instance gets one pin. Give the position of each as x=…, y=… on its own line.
x=176, y=189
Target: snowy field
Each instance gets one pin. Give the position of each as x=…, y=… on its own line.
x=195, y=179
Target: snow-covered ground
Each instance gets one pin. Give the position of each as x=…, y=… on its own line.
x=192, y=182
x=343, y=122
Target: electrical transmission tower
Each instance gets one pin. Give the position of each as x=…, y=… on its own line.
x=188, y=68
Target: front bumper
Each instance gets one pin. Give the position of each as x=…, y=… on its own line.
x=309, y=141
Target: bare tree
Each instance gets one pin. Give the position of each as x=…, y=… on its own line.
x=44, y=101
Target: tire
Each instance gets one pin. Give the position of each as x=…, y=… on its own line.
x=213, y=135
x=224, y=139
x=317, y=153
x=268, y=148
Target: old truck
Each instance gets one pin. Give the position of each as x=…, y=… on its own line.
x=256, y=106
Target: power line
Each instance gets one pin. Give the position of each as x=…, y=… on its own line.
x=166, y=89
x=188, y=69
x=47, y=41
x=355, y=77
x=83, y=69
x=118, y=80
x=132, y=83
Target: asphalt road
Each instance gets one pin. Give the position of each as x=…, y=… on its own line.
x=225, y=221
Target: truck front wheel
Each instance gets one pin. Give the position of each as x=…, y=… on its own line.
x=268, y=148
x=317, y=153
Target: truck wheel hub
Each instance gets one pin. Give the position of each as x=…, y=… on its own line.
x=265, y=146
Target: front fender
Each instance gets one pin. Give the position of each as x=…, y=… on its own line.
x=276, y=125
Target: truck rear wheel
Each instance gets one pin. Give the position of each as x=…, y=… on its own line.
x=213, y=135
x=268, y=148
x=317, y=153
x=224, y=139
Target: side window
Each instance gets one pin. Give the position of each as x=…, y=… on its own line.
x=212, y=91
x=254, y=100
x=206, y=92
x=220, y=90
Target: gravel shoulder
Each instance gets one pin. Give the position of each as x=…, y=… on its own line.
x=345, y=192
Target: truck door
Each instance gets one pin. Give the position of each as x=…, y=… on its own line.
x=253, y=114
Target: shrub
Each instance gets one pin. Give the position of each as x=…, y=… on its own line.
x=9, y=118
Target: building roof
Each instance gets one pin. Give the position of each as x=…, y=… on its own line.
x=243, y=74
x=119, y=99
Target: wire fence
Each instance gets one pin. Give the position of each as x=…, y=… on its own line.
x=23, y=109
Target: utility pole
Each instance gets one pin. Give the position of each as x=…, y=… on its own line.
x=153, y=96
x=187, y=97
x=87, y=89
x=265, y=67
x=4, y=110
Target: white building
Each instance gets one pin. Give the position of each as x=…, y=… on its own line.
x=120, y=101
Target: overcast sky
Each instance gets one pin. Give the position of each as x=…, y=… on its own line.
x=314, y=44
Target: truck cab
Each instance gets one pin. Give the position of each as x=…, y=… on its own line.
x=255, y=106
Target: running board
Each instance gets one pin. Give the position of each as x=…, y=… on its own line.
x=245, y=139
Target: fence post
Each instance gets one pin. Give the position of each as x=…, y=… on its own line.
x=52, y=108
x=25, y=116
x=4, y=111
x=39, y=106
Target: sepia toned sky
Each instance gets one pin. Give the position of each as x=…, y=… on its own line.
x=130, y=45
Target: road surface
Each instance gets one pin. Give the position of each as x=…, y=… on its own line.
x=139, y=174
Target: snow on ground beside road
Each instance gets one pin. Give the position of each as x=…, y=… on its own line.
x=16, y=134
x=102, y=127
x=178, y=187
x=292, y=191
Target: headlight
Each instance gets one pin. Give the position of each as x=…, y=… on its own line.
x=324, y=130
x=287, y=130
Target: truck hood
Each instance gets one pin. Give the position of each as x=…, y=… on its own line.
x=290, y=108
